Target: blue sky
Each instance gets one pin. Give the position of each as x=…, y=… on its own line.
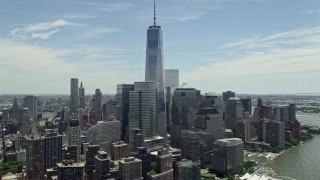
x=248, y=46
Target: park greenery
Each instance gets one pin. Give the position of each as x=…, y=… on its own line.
x=13, y=167
x=309, y=109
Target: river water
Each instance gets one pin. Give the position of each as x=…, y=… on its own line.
x=301, y=162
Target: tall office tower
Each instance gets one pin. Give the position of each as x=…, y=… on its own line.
x=143, y=110
x=97, y=106
x=163, y=166
x=154, y=69
x=282, y=113
x=292, y=112
x=274, y=133
x=102, y=166
x=82, y=97
x=190, y=145
x=187, y=169
x=142, y=153
x=243, y=130
x=30, y=102
x=171, y=78
x=233, y=112
x=91, y=152
x=53, y=149
x=185, y=105
x=74, y=137
x=246, y=104
x=168, y=107
x=130, y=168
x=74, y=95
x=228, y=156
x=35, y=159
x=104, y=134
x=228, y=94
x=122, y=99
x=70, y=170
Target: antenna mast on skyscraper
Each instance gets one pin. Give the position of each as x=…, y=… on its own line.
x=154, y=12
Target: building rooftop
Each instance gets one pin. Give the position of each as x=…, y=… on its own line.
x=211, y=94
x=229, y=142
x=234, y=99
x=185, y=86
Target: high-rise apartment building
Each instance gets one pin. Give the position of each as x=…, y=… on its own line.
x=97, y=106
x=74, y=95
x=163, y=166
x=119, y=150
x=154, y=69
x=122, y=99
x=35, y=158
x=228, y=156
x=102, y=166
x=70, y=170
x=243, y=130
x=82, y=97
x=53, y=149
x=187, y=169
x=274, y=133
x=130, y=168
x=30, y=102
x=282, y=113
x=190, y=145
x=91, y=153
x=74, y=137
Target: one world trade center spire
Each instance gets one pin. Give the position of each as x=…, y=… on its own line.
x=154, y=68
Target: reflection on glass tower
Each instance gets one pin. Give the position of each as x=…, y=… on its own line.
x=154, y=68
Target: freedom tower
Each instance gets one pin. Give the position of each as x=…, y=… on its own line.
x=154, y=68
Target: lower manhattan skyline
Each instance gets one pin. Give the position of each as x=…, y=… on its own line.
x=248, y=46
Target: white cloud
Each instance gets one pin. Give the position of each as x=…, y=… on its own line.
x=183, y=16
x=98, y=32
x=46, y=70
x=312, y=11
x=39, y=30
x=289, y=60
x=109, y=7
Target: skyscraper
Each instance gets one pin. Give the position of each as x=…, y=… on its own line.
x=35, y=158
x=171, y=78
x=74, y=95
x=74, y=137
x=82, y=97
x=227, y=156
x=53, y=149
x=228, y=94
x=233, y=112
x=154, y=68
x=122, y=99
x=30, y=102
x=97, y=106
x=143, y=109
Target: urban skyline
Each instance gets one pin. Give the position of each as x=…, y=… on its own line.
x=230, y=44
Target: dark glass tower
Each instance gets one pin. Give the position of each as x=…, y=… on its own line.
x=154, y=69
